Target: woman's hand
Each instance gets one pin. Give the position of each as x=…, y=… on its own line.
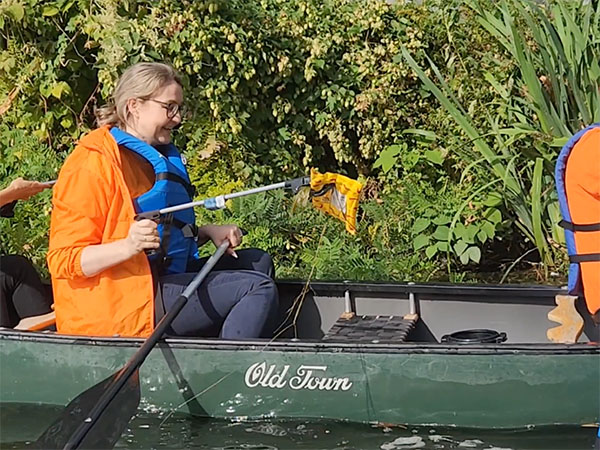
x=143, y=235
x=218, y=233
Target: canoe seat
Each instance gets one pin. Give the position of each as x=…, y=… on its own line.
x=372, y=329
x=37, y=323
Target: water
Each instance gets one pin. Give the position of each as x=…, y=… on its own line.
x=21, y=424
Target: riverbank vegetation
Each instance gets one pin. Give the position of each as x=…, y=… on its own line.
x=451, y=112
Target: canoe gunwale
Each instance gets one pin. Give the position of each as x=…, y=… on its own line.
x=518, y=292
x=476, y=293
x=308, y=346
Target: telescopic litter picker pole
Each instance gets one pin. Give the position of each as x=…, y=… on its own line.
x=215, y=203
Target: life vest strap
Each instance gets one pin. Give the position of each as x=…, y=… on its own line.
x=166, y=221
x=578, y=227
x=177, y=179
x=588, y=257
x=188, y=229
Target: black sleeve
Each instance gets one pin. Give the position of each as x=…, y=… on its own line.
x=8, y=209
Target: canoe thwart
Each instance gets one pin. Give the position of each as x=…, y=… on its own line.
x=383, y=329
x=571, y=322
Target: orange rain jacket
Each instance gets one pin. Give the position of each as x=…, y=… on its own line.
x=582, y=182
x=92, y=205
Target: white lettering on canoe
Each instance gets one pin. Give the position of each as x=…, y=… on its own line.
x=306, y=377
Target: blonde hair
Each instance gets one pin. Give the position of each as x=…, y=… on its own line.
x=141, y=81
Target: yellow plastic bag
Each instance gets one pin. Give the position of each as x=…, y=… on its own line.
x=337, y=196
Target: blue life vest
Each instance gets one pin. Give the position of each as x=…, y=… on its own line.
x=172, y=187
x=575, y=285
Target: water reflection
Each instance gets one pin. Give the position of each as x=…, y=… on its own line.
x=22, y=424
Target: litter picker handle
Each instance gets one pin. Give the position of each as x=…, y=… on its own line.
x=152, y=215
x=218, y=202
x=214, y=203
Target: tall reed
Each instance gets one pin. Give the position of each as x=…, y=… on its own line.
x=556, y=49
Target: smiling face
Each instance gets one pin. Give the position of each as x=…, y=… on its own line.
x=149, y=119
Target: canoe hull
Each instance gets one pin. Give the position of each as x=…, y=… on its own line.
x=488, y=386
x=404, y=375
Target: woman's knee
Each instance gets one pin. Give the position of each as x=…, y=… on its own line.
x=262, y=294
x=266, y=284
x=255, y=314
x=267, y=264
x=264, y=263
x=270, y=308
x=273, y=298
x=259, y=260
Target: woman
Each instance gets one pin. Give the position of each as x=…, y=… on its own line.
x=22, y=293
x=104, y=284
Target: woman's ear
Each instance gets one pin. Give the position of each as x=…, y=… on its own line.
x=132, y=108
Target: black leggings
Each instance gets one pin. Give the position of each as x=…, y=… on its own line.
x=237, y=300
x=22, y=293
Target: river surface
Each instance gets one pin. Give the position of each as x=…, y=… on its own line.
x=21, y=424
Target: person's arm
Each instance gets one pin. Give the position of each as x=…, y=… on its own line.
x=20, y=189
x=82, y=202
x=96, y=258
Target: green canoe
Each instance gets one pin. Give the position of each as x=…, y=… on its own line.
x=361, y=352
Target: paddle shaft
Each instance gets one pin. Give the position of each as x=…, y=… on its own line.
x=138, y=358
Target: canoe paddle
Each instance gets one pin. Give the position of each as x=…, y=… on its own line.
x=96, y=418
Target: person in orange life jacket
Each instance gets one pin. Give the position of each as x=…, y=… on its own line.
x=577, y=175
x=22, y=293
x=104, y=284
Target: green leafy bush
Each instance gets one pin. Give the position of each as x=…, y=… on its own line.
x=277, y=86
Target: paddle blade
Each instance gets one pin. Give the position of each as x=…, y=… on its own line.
x=107, y=430
x=336, y=195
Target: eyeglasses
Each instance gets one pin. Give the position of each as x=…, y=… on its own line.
x=172, y=108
